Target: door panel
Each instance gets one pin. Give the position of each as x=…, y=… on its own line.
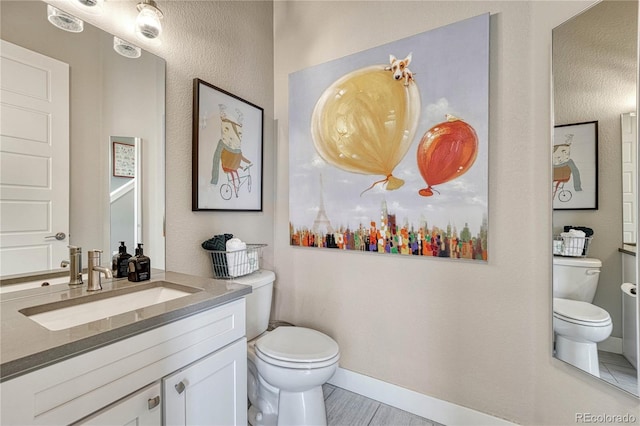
x=34, y=160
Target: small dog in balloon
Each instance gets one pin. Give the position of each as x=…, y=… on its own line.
x=400, y=68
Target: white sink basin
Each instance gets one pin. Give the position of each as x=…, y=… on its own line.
x=70, y=313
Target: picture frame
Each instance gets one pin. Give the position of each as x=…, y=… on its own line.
x=123, y=160
x=227, y=151
x=575, y=166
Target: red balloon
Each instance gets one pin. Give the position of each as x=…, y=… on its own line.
x=446, y=151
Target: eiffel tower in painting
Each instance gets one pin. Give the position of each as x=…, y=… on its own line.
x=321, y=224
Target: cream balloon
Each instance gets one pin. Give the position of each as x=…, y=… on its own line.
x=365, y=123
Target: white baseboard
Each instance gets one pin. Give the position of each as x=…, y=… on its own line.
x=611, y=344
x=413, y=402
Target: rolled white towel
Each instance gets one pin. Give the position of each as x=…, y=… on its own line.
x=573, y=242
x=237, y=261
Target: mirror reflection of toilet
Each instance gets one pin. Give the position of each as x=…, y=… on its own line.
x=578, y=325
x=287, y=366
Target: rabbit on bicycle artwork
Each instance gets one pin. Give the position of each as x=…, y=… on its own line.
x=228, y=154
x=564, y=169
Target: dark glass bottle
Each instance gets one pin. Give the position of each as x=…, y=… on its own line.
x=120, y=262
x=139, y=266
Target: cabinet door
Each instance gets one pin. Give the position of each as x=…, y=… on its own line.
x=140, y=409
x=211, y=391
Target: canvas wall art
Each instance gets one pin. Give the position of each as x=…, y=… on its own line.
x=388, y=148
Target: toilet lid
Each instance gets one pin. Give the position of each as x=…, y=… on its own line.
x=297, y=344
x=578, y=311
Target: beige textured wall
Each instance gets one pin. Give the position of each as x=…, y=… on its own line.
x=475, y=335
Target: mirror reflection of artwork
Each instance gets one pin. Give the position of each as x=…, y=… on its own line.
x=124, y=160
x=575, y=166
x=564, y=169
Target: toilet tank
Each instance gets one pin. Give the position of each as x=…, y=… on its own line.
x=259, y=301
x=575, y=278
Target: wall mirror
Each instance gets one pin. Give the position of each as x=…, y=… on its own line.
x=116, y=108
x=595, y=77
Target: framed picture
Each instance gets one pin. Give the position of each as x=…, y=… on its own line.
x=227, y=151
x=575, y=166
x=124, y=160
x=386, y=161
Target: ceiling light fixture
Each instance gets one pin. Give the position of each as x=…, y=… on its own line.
x=64, y=20
x=91, y=6
x=125, y=48
x=148, y=26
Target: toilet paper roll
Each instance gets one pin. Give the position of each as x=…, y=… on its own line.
x=627, y=287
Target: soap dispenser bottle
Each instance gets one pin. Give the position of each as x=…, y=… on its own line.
x=120, y=264
x=139, y=266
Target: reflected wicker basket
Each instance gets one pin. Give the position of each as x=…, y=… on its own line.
x=232, y=264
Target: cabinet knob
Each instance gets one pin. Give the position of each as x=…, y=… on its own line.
x=153, y=402
x=180, y=387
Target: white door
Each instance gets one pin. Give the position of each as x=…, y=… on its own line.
x=629, y=174
x=212, y=391
x=34, y=160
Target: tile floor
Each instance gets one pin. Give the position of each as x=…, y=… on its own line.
x=346, y=408
x=615, y=369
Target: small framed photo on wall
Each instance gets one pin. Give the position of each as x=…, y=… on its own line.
x=124, y=160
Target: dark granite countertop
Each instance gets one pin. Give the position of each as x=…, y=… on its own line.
x=27, y=346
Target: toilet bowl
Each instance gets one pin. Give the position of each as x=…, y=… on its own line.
x=287, y=366
x=578, y=327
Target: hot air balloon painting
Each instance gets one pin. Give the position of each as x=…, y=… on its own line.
x=388, y=147
x=446, y=151
x=365, y=123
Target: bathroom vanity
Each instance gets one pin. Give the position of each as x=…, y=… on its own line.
x=177, y=361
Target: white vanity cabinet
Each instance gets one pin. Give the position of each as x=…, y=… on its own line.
x=208, y=392
x=143, y=408
x=205, y=351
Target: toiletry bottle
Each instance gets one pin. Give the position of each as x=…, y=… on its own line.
x=120, y=262
x=139, y=266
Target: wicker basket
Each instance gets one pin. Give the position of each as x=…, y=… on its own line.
x=233, y=264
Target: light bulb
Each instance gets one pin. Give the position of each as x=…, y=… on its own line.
x=148, y=22
x=90, y=6
x=63, y=20
x=125, y=48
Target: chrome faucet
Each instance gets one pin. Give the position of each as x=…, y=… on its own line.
x=75, y=265
x=95, y=271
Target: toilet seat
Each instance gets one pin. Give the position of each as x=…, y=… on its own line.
x=297, y=347
x=580, y=313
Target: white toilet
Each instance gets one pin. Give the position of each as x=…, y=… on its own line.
x=577, y=324
x=287, y=366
